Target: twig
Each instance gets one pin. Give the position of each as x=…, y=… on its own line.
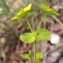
x=58, y=21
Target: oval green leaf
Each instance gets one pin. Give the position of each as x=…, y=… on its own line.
x=25, y=56
x=27, y=37
x=22, y=13
x=38, y=56
x=43, y=34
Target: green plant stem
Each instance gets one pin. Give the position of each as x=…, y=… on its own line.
x=35, y=51
x=28, y=24
x=58, y=20
x=29, y=60
x=41, y=21
x=34, y=42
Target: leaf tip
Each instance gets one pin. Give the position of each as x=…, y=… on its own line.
x=14, y=18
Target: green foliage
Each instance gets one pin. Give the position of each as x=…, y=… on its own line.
x=25, y=56
x=1, y=3
x=27, y=37
x=23, y=12
x=48, y=10
x=43, y=34
x=38, y=56
x=30, y=53
x=4, y=10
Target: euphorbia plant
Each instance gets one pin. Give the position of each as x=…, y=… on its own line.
x=39, y=33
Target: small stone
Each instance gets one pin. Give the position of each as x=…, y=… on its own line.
x=54, y=39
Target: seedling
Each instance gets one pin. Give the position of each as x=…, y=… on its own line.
x=27, y=56
x=40, y=33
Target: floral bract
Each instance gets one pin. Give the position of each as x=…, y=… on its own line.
x=48, y=10
x=23, y=12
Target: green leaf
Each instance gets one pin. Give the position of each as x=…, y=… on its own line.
x=48, y=10
x=25, y=56
x=27, y=37
x=38, y=56
x=30, y=52
x=22, y=13
x=43, y=34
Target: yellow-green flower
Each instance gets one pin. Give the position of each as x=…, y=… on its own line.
x=48, y=10
x=23, y=12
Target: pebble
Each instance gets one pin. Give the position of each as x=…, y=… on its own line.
x=55, y=38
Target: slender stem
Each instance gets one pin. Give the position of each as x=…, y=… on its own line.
x=35, y=51
x=41, y=21
x=29, y=60
x=28, y=24
x=58, y=21
x=34, y=42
